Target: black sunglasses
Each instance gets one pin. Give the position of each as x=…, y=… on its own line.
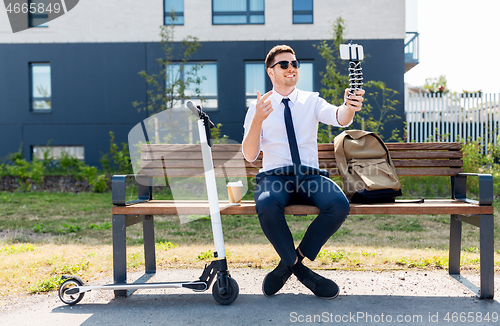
x=284, y=64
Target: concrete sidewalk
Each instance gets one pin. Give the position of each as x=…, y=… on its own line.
x=370, y=298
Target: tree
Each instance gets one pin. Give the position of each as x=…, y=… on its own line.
x=335, y=80
x=175, y=83
x=167, y=88
x=335, y=83
x=383, y=97
x=437, y=85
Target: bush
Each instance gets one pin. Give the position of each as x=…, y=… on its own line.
x=120, y=162
x=71, y=164
x=47, y=284
x=475, y=161
x=33, y=173
x=98, y=183
x=217, y=137
x=25, y=172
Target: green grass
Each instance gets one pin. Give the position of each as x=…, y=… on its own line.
x=85, y=218
x=426, y=187
x=405, y=224
x=46, y=235
x=206, y=255
x=15, y=249
x=47, y=284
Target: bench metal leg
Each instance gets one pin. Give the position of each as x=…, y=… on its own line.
x=119, y=253
x=149, y=244
x=120, y=223
x=487, y=256
x=455, y=245
x=486, y=246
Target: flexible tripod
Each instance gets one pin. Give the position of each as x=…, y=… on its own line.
x=353, y=53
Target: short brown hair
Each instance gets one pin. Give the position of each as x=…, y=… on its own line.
x=275, y=51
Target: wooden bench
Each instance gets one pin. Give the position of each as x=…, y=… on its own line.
x=410, y=159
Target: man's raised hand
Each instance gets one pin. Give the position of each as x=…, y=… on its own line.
x=263, y=107
x=354, y=101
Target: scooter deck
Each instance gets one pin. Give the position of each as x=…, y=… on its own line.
x=193, y=285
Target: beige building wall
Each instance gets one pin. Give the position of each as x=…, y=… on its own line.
x=139, y=21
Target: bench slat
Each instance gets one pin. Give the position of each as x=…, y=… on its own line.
x=234, y=172
x=433, y=206
x=324, y=164
x=402, y=155
x=455, y=146
x=188, y=164
x=322, y=155
x=403, y=172
x=185, y=160
x=171, y=156
x=408, y=146
x=321, y=147
x=189, y=148
x=425, y=155
x=186, y=173
x=428, y=163
x=175, y=156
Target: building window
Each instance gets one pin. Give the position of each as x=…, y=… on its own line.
x=305, y=82
x=176, y=7
x=56, y=152
x=233, y=12
x=206, y=72
x=302, y=11
x=37, y=18
x=255, y=80
x=41, y=89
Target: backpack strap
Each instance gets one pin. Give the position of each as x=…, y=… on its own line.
x=340, y=160
x=410, y=201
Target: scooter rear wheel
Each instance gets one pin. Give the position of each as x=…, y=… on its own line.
x=70, y=299
x=231, y=294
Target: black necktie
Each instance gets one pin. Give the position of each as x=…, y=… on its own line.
x=292, y=141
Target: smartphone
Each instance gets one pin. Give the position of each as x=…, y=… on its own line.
x=353, y=52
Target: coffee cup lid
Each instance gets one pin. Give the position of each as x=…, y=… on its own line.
x=235, y=184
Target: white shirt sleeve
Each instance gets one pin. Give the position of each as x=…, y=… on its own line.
x=327, y=113
x=246, y=125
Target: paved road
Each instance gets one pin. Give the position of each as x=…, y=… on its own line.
x=371, y=298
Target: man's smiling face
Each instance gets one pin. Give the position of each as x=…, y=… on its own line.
x=284, y=77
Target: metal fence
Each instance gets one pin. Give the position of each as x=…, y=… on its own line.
x=453, y=117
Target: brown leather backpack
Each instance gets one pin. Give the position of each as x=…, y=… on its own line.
x=367, y=171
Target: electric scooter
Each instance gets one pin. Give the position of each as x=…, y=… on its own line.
x=225, y=289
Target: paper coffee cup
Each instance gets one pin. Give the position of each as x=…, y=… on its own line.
x=234, y=190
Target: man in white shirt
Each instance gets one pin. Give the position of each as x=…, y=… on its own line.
x=283, y=124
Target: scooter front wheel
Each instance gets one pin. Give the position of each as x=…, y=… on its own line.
x=70, y=299
x=227, y=296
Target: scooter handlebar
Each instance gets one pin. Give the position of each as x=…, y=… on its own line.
x=198, y=112
x=193, y=109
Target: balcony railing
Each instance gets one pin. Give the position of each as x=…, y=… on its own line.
x=411, y=50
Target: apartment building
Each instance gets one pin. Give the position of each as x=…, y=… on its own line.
x=72, y=80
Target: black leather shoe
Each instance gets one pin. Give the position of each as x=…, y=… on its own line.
x=319, y=285
x=274, y=281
